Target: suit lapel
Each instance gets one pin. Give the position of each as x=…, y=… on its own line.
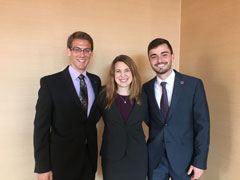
x=135, y=110
x=152, y=99
x=71, y=89
x=118, y=115
x=177, y=90
x=116, y=112
x=94, y=84
x=96, y=90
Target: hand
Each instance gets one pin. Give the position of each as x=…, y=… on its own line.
x=196, y=172
x=45, y=176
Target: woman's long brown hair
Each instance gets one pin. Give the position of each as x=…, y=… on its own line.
x=111, y=86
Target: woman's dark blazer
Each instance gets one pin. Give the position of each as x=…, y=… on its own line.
x=123, y=139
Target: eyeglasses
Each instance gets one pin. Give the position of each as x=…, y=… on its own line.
x=77, y=50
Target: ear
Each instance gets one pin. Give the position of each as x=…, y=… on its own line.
x=69, y=52
x=173, y=57
x=91, y=55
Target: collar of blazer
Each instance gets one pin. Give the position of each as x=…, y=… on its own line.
x=177, y=91
x=178, y=84
x=94, y=83
x=114, y=112
x=71, y=90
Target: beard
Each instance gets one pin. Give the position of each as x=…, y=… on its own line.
x=162, y=70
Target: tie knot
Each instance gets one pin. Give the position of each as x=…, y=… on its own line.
x=163, y=84
x=81, y=77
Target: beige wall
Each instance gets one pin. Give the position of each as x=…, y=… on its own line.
x=33, y=38
x=210, y=43
x=33, y=41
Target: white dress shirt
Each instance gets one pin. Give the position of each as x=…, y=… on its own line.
x=169, y=87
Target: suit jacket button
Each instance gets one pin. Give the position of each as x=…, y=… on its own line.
x=165, y=124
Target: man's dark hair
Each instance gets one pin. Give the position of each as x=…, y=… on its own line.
x=157, y=42
x=79, y=35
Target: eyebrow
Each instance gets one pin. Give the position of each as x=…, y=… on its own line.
x=80, y=48
x=153, y=55
x=164, y=52
x=123, y=69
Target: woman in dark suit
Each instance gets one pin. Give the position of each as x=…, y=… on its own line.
x=123, y=107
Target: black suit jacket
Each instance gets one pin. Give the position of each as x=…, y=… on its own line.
x=61, y=132
x=119, y=138
x=185, y=133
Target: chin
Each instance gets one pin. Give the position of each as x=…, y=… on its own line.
x=124, y=85
x=82, y=68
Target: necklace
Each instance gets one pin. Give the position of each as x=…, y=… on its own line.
x=124, y=100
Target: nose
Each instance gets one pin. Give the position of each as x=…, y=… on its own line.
x=159, y=58
x=81, y=54
x=122, y=74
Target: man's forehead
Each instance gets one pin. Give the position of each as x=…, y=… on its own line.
x=160, y=50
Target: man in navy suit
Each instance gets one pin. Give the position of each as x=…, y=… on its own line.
x=179, y=127
x=65, y=135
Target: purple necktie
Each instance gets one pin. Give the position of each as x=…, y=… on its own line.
x=164, y=100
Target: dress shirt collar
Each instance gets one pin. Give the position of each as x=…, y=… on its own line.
x=169, y=80
x=75, y=74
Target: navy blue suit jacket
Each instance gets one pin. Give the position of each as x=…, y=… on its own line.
x=185, y=133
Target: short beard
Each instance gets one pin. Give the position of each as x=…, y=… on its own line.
x=163, y=71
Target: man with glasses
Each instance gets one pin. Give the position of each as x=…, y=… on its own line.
x=65, y=136
x=178, y=119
